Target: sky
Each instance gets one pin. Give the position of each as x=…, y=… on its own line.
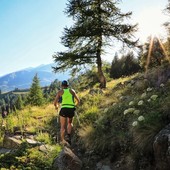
x=30, y=30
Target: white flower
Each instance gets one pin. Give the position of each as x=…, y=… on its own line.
x=141, y=118
x=105, y=110
x=135, y=123
x=130, y=110
x=143, y=95
x=154, y=97
x=136, y=112
x=162, y=85
x=125, y=112
x=121, y=97
x=149, y=100
x=149, y=89
x=131, y=103
x=140, y=102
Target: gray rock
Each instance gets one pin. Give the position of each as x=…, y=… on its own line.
x=5, y=150
x=161, y=147
x=11, y=142
x=106, y=167
x=33, y=142
x=45, y=148
x=67, y=160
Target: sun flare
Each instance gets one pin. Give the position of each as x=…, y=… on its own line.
x=151, y=23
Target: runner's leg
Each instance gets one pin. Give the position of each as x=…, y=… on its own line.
x=62, y=124
x=69, y=125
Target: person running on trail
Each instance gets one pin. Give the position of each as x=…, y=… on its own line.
x=66, y=97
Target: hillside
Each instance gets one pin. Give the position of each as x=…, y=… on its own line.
x=117, y=128
x=22, y=79
x=125, y=126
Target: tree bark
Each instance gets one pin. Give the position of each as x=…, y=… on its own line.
x=101, y=76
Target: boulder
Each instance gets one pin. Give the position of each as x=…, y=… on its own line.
x=33, y=142
x=11, y=142
x=161, y=147
x=45, y=148
x=5, y=150
x=67, y=160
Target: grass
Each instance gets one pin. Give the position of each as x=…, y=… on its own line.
x=29, y=158
x=107, y=126
x=37, y=120
x=30, y=118
x=104, y=125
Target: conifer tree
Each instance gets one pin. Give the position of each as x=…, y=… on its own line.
x=97, y=23
x=167, y=26
x=19, y=103
x=35, y=96
x=152, y=53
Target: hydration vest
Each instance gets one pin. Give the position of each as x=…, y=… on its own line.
x=67, y=99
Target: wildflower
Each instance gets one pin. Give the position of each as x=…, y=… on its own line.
x=141, y=118
x=162, y=85
x=149, y=100
x=125, y=112
x=131, y=103
x=136, y=112
x=154, y=97
x=135, y=123
x=121, y=97
x=140, y=102
x=130, y=110
x=149, y=89
x=143, y=95
x=105, y=110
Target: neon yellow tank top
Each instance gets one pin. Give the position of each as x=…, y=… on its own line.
x=67, y=99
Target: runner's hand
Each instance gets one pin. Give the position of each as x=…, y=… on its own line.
x=56, y=107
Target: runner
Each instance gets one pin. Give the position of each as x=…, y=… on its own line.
x=68, y=99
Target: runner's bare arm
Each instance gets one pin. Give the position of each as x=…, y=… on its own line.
x=75, y=96
x=56, y=104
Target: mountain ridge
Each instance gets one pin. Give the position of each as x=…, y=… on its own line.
x=22, y=79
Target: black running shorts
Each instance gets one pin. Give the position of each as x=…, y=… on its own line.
x=67, y=112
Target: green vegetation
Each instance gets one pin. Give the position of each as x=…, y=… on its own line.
x=37, y=121
x=96, y=25
x=35, y=96
x=128, y=113
x=29, y=158
x=127, y=116
x=118, y=121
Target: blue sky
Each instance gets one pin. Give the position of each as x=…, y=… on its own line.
x=30, y=30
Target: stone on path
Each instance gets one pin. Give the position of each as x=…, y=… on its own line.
x=67, y=160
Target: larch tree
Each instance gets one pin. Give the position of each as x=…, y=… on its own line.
x=167, y=26
x=96, y=24
x=19, y=102
x=35, y=96
x=152, y=53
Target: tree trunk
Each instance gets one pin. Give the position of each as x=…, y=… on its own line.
x=101, y=76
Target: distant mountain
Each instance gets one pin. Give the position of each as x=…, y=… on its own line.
x=23, y=79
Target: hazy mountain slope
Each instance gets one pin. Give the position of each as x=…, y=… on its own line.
x=22, y=79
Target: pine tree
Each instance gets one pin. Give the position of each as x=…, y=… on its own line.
x=35, y=96
x=96, y=24
x=167, y=26
x=19, y=103
x=124, y=66
x=153, y=54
